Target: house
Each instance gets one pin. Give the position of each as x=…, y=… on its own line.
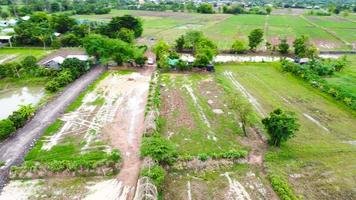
x=54, y=63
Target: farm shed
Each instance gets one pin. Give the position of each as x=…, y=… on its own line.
x=54, y=63
x=5, y=39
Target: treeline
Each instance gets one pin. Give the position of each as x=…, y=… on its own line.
x=28, y=7
x=195, y=42
x=239, y=9
x=42, y=29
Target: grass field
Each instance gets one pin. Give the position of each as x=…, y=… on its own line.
x=18, y=54
x=319, y=162
x=224, y=28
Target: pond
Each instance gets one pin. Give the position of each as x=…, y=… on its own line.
x=11, y=99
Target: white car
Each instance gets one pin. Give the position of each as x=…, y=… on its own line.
x=150, y=61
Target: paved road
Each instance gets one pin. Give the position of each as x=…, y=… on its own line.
x=13, y=150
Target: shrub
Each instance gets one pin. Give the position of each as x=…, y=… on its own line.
x=70, y=40
x=52, y=86
x=64, y=77
x=20, y=116
x=7, y=127
x=159, y=149
x=234, y=154
x=282, y=188
x=155, y=173
x=239, y=47
x=29, y=62
x=203, y=157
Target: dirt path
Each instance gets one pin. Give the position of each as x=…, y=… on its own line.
x=15, y=148
x=127, y=129
x=258, y=144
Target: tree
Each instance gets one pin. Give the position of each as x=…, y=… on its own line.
x=126, y=35
x=303, y=48
x=255, y=38
x=281, y=126
x=29, y=62
x=161, y=48
x=126, y=21
x=244, y=111
x=62, y=23
x=268, y=10
x=283, y=46
x=6, y=128
x=180, y=43
x=239, y=46
x=75, y=66
x=205, y=8
x=70, y=40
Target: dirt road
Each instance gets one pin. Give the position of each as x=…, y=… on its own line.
x=15, y=148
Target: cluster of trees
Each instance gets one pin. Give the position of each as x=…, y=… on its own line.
x=161, y=6
x=26, y=68
x=255, y=38
x=205, y=8
x=239, y=9
x=70, y=70
x=105, y=49
x=15, y=121
x=40, y=30
x=202, y=48
x=27, y=7
x=314, y=71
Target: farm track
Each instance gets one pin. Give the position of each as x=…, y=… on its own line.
x=13, y=150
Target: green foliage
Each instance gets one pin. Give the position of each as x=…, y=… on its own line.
x=283, y=46
x=156, y=173
x=303, y=48
x=180, y=43
x=239, y=46
x=7, y=127
x=203, y=157
x=70, y=40
x=160, y=149
x=312, y=73
x=282, y=188
x=126, y=21
x=205, y=8
x=126, y=35
x=235, y=9
x=29, y=62
x=2, y=163
x=20, y=117
x=281, y=126
x=62, y=23
x=255, y=38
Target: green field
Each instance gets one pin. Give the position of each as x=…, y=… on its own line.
x=319, y=162
x=225, y=28
x=18, y=54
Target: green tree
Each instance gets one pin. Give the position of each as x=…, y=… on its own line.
x=244, y=111
x=239, y=46
x=161, y=49
x=283, y=46
x=268, y=10
x=255, y=38
x=126, y=21
x=300, y=45
x=180, y=43
x=4, y=15
x=281, y=126
x=126, y=35
x=6, y=128
x=205, y=8
x=75, y=66
x=62, y=23
x=70, y=40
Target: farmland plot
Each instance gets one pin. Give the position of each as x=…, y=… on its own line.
x=196, y=116
x=85, y=141
x=319, y=162
x=18, y=54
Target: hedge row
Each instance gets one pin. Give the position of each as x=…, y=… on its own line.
x=313, y=72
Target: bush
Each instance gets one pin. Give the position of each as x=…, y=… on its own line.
x=29, y=62
x=156, y=174
x=282, y=188
x=7, y=127
x=159, y=149
x=239, y=47
x=64, y=77
x=52, y=86
x=20, y=117
x=203, y=157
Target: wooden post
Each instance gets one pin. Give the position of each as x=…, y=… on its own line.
x=10, y=42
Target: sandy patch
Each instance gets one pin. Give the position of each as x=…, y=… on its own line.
x=109, y=190
x=236, y=190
